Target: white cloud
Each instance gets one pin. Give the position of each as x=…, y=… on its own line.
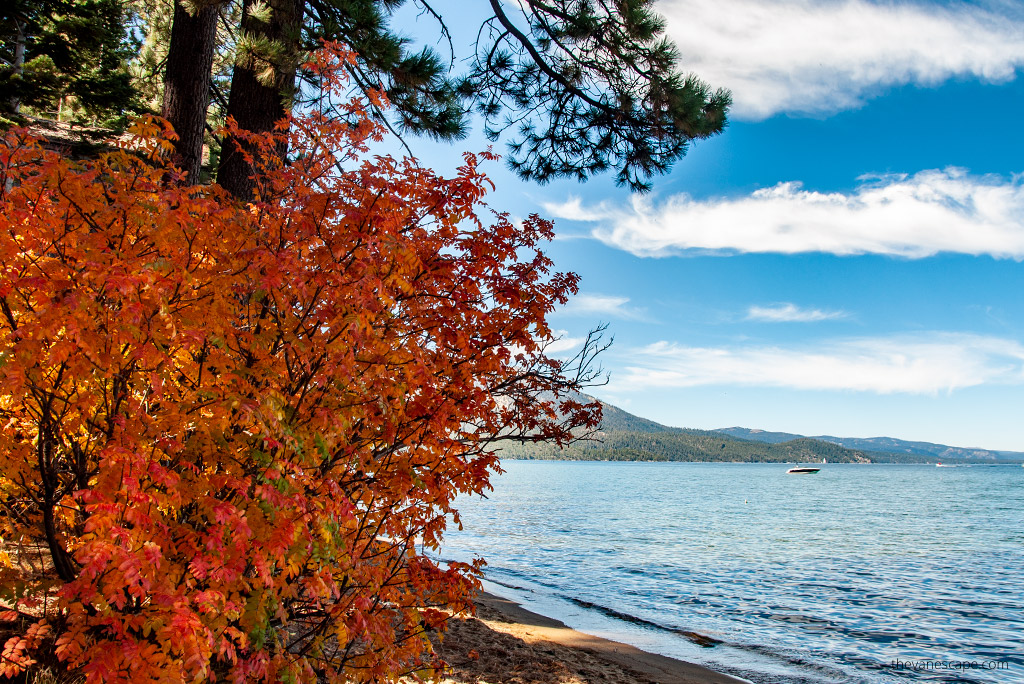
x=563, y=343
x=602, y=305
x=923, y=364
x=572, y=209
x=822, y=56
x=791, y=313
x=910, y=216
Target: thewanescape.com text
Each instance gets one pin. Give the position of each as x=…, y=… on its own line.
x=938, y=665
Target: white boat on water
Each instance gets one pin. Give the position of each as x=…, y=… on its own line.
x=802, y=470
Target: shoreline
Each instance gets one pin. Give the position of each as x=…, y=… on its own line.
x=508, y=644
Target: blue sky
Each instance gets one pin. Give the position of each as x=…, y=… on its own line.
x=846, y=258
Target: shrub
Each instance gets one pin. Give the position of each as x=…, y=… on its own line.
x=233, y=433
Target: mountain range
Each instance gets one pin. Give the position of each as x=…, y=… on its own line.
x=890, y=445
x=624, y=436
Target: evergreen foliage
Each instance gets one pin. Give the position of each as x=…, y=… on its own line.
x=69, y=56
x=582, y=87
x=417, y=82
x=585, y=87
x=588, y=86
x=575, y=87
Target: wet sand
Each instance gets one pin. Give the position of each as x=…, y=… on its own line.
x=507, y=644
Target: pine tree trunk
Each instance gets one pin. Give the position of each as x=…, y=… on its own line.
x=187, y=82
x=19, y=59
x=257, y=103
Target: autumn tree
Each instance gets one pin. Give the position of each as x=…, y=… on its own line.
x=233, y=433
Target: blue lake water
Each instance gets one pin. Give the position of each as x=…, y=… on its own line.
x=855, y=574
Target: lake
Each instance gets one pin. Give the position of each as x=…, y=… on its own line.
x=859, y=573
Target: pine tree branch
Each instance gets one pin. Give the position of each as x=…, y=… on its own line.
x=539, y=60
x=445, y=33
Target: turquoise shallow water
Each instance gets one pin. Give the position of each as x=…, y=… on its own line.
x=856, y=574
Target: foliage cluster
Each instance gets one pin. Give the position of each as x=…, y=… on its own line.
x=233, y=433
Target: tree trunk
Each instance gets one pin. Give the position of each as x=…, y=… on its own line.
x=258, y=103
x=19, y=59
x=187, y=82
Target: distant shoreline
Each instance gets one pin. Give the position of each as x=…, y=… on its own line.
x=623, y=436
x=951, y=462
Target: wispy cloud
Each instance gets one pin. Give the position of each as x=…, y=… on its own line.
x=563, y=343
x=610, y=306
x=573, y=210
x=910, y=216
x=822, y=56
x=924, y=364
x=791, y=313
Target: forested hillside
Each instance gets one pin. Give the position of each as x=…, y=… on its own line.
x=627, y=437
x=688, y=445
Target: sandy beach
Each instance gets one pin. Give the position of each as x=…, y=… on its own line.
x=507, y=644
